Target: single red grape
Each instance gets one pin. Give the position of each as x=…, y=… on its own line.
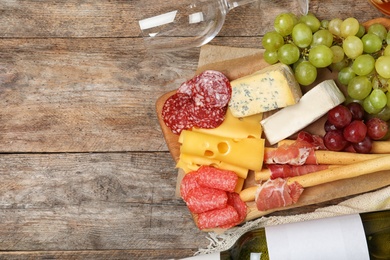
x=329, y=127
x=357, y=110
x=364, y=146
x=339, y=116
x=355, y=131
x=376, y=128
x=335, y=141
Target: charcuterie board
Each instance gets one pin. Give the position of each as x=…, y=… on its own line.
x=244, y=62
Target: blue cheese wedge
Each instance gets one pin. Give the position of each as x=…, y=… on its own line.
x=313, y=105
x=268, y=89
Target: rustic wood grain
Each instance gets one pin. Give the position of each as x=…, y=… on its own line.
x=85, y=171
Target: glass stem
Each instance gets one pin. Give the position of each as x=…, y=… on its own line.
x=234, y=3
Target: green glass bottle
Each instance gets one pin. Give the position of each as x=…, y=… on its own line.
x=371, y=228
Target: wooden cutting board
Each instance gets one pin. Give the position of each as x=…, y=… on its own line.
x=252, y=60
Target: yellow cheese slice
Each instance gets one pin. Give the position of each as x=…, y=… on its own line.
x=235, y=127
x=192, y=163
x=247, y=153
x=268, y=89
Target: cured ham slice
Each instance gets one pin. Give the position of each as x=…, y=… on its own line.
x=286, y=171
x=276, y=194
x=298, y=153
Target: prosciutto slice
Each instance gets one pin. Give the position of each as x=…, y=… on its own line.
x=286, y=171
x=277, y=193
x=298, y=153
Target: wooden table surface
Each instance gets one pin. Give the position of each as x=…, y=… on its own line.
x=85, y=172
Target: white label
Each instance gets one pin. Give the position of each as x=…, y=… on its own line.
x=338, y=238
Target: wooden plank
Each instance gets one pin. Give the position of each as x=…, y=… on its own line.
x=139, y=254
x=75, y=95
x=92, y=201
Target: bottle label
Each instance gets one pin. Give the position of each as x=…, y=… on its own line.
x=336, y=238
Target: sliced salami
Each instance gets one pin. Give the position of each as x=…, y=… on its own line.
x=177, y=112
x=186, y=87
x=217, y=218
x=203, y=199
x=189, y=182
x=204, y=117
x=211, y=89
x=217, y=178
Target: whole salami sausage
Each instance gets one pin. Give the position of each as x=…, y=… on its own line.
x=203, y=199
x=189, y=182
x=217, y=178
x=217, y=218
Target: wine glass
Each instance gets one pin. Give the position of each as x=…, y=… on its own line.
x=195, y=22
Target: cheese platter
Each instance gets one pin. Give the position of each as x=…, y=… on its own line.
x=237, y=63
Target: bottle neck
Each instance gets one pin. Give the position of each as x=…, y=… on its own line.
x=234, y=3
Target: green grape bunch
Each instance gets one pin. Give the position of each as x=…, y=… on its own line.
x=360, y=55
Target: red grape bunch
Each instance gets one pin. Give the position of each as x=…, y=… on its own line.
x=346, y=129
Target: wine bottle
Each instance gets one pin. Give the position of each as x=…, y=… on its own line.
x=355, y=236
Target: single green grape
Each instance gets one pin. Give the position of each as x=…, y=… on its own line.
x=305, y=73
x=321, y=56
x=371, y=43
x=379, y=30
x=294, y=66
x=382, y=66
x=378, y=98
x=353, y=47
x=388, y=98
x=361, y=32
x=338, y=53
x=324, y=24
x=386, y=52
x=288, y=54
x=363, y=65
x=345, y=75
x=349, y=27
x=335, y=26
x=359, y=87
x=271, y=57
x=369, y=108
x=284, y=23
x=302, y=35
x=311, y=21
x=322, y=37
x=272, y=41
x=338, y=66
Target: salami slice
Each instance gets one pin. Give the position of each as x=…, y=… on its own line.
x=203, y=199
x=211, y=89
x=217, y=218
x=189, y=182
x=217, y=178
x=177, y=112
x=204, y=117
x=186, y=87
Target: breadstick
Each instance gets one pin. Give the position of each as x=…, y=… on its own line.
x=248, y=194
x=343, y=172
x=377, y=146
